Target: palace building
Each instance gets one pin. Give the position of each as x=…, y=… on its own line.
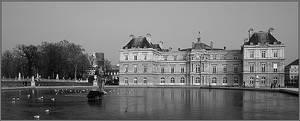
x=258, y=63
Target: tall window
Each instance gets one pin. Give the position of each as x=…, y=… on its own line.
x=162, y=80
x=251, y=52
x=202, y=79
x=235, y=79
x=263, y=80
x=175, y=57
x=235, y=68
x=197, y=68
x=197, y=79
x=251, y=67
x=263, y=54
x=225, y=80
x=214, y=69
x=172, y=69
x=275, y=79
x=182, y=69
x=126, y=80
x=225, y=68
x=145, y=57
x=274, y=67
x=202, y=67
x=172, y=80
x=263, y=67
x=145, y=69
x=275, y=53
x=162, y=70
x=214, y=80
x=182, y=80
x=135, y=80
x=126, y=57
x=135, y=57
x=135, y=68
x=251, y=80
x=126, y=68
x=192, y=67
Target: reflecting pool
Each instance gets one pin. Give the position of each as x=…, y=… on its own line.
x=148, y=103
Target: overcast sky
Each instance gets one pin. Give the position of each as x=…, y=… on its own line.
x=105, y=27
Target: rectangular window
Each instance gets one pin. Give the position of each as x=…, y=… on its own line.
x=182, y=70
x=214, y=69
x=145, y=57
x=235, y=57
x=263, y=54
x=145, y=69
x=274, y=67
x=135, y=68
x=251, y=53
x=126, y=68
x=263, y=67
x=192, y=67
x=225, y=68
x=251, y=67
x=126, y=57
x=275, y=53
x=135, y=57
x=172, y=69
x=162, y=70
x=197, y=68
x=202, y=67
x=235, y=68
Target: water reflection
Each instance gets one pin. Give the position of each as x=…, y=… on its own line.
x=149, y=103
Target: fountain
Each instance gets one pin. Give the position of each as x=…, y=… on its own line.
x=98, y=64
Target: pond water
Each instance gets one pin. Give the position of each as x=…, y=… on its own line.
x=148, y=103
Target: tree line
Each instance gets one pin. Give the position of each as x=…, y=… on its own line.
x=48, y=59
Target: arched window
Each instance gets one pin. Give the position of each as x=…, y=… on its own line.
x=126, y=80
x=225, y=80
x=145, y=80
x=214, y=80
x=172, y=80
x=135, y=80
x=197, y=79
x=162, y=80
x=182, y=80
x=263, y=80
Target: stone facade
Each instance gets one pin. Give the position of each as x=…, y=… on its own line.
x=145, y=63
x=292, y=74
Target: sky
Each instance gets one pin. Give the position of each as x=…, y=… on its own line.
x=106, y=26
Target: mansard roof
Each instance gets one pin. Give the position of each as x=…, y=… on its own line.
x=201, y=46
x=262, y=37
x=138, y=42
x=296, y=62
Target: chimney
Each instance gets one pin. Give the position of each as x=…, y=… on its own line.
x=148, y=37
x=131, y=37
x=224, y=48
x=199, y=37
x=211, y=44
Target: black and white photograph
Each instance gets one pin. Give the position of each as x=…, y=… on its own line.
x=149, y=60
